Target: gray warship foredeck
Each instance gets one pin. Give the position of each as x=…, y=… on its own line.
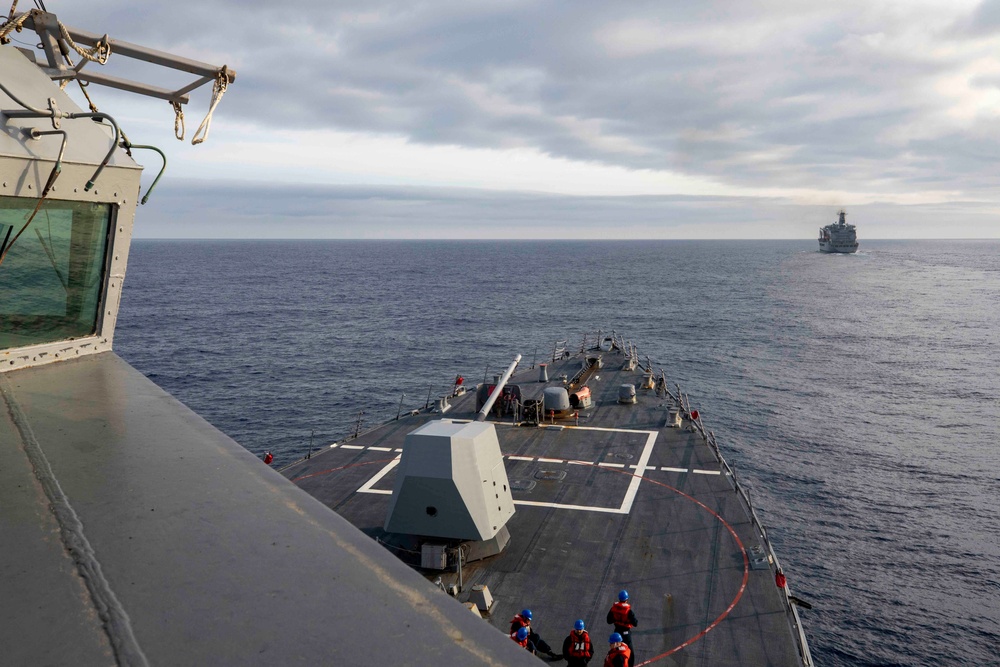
x=610, y=501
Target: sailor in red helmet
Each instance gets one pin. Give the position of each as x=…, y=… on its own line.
x=623, y=618
x=619, y=654
x=268, y=457
x=576, y=647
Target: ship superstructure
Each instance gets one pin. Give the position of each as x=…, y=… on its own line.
x=839, y=236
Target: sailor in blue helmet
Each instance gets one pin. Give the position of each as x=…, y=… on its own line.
x=522, y=620
x=619, y=654
x=576, y=647
x=535, y=642
x=521, y=637
x=623, y=618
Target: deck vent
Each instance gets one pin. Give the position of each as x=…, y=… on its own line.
x=522, y=484
x=551, y=475
x=626, y=393
x=674, y=418
x=543, y=372
x=482, y=598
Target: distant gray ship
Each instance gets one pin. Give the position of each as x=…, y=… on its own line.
x=839, y=237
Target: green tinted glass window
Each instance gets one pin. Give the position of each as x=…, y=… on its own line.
x=52, y=276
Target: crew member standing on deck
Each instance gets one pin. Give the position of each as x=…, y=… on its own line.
x=623, y=618
x=619, y=654
x=576, y=647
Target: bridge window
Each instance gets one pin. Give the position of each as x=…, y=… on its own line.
x=52, y=275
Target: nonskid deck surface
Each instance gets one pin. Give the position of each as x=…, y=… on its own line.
x=615, y=502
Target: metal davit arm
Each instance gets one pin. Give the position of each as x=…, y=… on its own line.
x=57, y=38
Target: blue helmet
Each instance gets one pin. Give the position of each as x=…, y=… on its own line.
x=579, y=626
x=615, y=638
x=526, y=613
x=522, y=633
x=622, y=596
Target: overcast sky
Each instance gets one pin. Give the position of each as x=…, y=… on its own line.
x=702, y=119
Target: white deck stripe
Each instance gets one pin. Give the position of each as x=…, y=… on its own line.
x=380, y=449
x=521, y=458
x=397, y=450
x=611, y=465
x=633, y=487
x=706, y=472
x=560, y=506
x=674, y=469
x=333, y=445
x=580, y=463
x=367, y=488
x=351, y=447
x=541, y=460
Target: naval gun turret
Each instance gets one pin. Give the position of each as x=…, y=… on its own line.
x=451, y=487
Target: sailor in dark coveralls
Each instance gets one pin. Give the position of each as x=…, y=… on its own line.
x=623, y=618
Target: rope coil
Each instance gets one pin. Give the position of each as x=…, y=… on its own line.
x=14, y=24
x=99, y=54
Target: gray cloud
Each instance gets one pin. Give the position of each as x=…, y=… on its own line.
x=754, y=94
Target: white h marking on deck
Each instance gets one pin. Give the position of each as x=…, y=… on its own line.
x=367, y=488
x=630, y=492
x=633, y=487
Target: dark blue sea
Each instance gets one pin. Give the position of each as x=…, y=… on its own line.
x=858, y=396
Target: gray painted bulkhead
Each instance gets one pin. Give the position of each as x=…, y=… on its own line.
x=25, y=165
